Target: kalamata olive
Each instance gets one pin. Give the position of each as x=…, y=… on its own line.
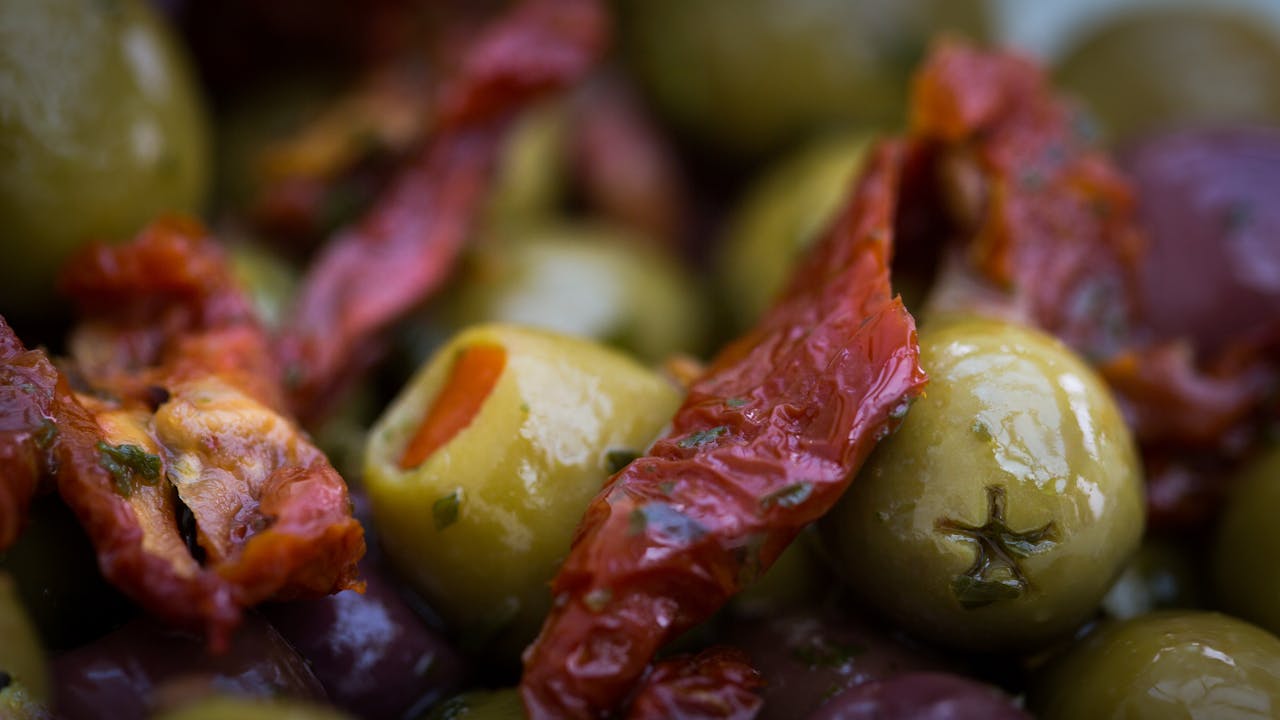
x=1211, y=273
x=373, y=654
x=1170, y=664
x=921, y=696
x=134, y=668
x=1162, y=67
x=806, y=655
x=1006, y=503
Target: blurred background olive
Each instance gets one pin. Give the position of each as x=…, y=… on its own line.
x=797, y=578
x=922, y=696
x=783, y=212
x=221, y=707
x=1246, y=574
x=479, y=472
x=24, y=676
x=1002, y=509
x=101, y=130
x=270, y=280
x=144, y=666
x=750, y=76
x=1164, y=574
x=502, y=704
x=591, y=281
x=1165, y=67
x=1163, y=665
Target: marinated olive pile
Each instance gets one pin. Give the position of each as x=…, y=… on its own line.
x=586, y=304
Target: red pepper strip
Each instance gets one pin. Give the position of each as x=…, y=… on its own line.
x=171, y=339
x=764, y=444
x=27, y=430
x=1045, y=222
x=715, y=684
x=374, y=273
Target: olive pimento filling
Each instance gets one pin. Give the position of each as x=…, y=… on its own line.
x=471, y=380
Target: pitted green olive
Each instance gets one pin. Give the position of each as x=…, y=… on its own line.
x=480, y=470
x=1164, y=665
x=24, y=679
x=101, y=130
x=1006, y=503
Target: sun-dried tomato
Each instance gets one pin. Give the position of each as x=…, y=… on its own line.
x=182, y=406
x=404, y=248
x=765, y=443
x=716, y=684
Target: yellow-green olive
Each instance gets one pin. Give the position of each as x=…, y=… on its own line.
x=530, y=179
x=747, y=76
x=480, y=470
x=502, y=704
x=268, y=278
x=595, y=282
x=1006, y=503
x=1165, y=665
x=101, y=129
x=220, y=707
x=782, y=214
x=1176, y=66
x=1246, y=577
x=24, y=679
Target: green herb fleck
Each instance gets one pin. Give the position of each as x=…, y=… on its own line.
x=788, y=497
x=637, y=522
x=651, y=468
x=128, y=463
x=703, y=437
x=27, y=388
x=736, y=402
x=665, y=521
x=524, y=408
x=46, y=434
x=598, y=599
x=618, y=459
x=667, y=487
x=445, y=510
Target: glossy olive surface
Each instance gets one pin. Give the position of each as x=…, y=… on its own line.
x=502, y=704
x=782, y=214
x=808, y=654
x=373, y=654
x=1246, y=574
x=480, y=527
x=1165, y=67
x=1166, y=665
x=234, y=708
x=750, y=75
x=594, y=282
x=141, y=666
x=101, y=129
x=1007, y=502
x=922, y=696
x=1206, y=202
x=22, y=662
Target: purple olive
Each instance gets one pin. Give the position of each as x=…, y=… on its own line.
x=921, y=696
x=372, y=652
x=144, y=666
x=1206, y=202
x=807, y=655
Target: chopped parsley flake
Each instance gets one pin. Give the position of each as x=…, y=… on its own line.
x=46, y=434
x=736, y=402
x=788, y=497
x=618, y=459
x=703, y=437
x=598, y=599
x=445, y=510
x=127, y=464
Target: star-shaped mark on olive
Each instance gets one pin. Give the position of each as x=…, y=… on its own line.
x=995, y=573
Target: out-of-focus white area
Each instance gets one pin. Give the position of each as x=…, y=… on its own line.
x=1046, y=28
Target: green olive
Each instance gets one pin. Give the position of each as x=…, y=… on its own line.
x=796, y=578
x=101, y=129
x=1162, y=575
x=269, y=279
x=782, y=214
x=1162, y=67
x=220, y=707
x=478, y=517
x=1006, y=503
x=748, y=76
x=1246, y=578
x=1163, y=665
x=502, y=704
x=530, y=179
x=596, y=282
x=25, y=679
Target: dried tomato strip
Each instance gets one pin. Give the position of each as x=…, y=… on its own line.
x=192, y=411
x=404, y=248
x=716, y=684
x=764, y=444
x=27, y=429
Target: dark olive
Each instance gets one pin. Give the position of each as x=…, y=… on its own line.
x=373, y=654
x=806, y=655
x=143, y=666
x=921, y=696
x=1170, y=664
x=1163, y=67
